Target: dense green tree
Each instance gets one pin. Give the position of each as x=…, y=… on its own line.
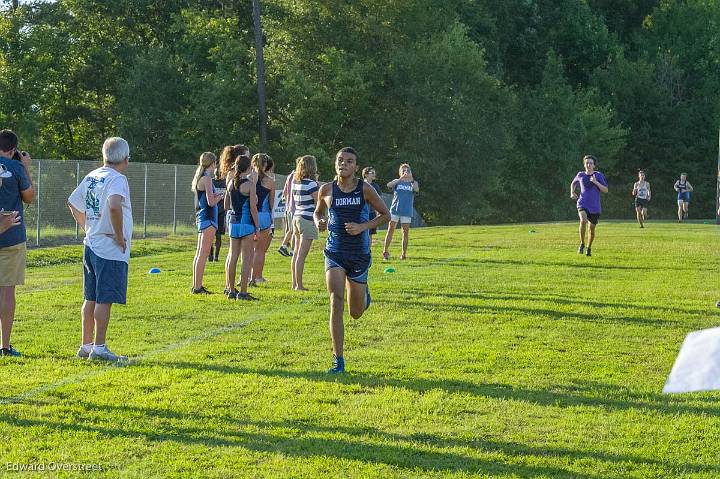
x=493, y=103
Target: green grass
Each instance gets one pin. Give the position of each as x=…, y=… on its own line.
x=492, y=352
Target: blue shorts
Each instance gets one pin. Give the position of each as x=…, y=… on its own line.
x=265, y=220
x=356, y=266
x=104, y=281
x=205, y=224
x=684, y=197
x=241, y=230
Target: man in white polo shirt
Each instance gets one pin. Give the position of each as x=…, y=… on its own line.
x=101, y=206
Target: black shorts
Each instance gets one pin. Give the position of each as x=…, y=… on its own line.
x=592, y=217
x=222, y=222
x=641, y=203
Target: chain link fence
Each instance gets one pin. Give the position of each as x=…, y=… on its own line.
x=162, y=200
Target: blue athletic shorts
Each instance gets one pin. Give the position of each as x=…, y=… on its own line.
x=356, y=266
x=241, y=230
x=104, y=281
x=685, y=196
x=205, y=224
x=265, y=220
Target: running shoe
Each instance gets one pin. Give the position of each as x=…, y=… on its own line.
x=232, y=294
x=260, y=280
x=246, y=297
x=386, y=255
x=104, y=354
x=581, y=249
x=200, y=290
x=587, y=253
x=338, y=366
x=10, y=352
x=83, y=353
x=283, y=250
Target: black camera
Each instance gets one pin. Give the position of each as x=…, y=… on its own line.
x=18, y=155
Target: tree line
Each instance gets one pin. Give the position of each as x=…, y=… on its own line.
x=492, y=103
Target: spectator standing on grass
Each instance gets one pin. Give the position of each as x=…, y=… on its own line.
x=265, y=190
x=289, y=201
x=8, y=219
x=218, y=182
x=368, y=174
x=16, y=188
x=241, y=204
x=206, y=217
x=101, y=206
x=305, y=196
x=404, y=189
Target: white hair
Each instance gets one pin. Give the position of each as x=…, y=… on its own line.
x=115, y=150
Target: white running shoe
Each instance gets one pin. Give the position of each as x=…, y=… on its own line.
x=104, y=354
x=83, y=353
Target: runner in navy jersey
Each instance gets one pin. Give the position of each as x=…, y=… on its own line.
x=347, y=253
x=684, y=190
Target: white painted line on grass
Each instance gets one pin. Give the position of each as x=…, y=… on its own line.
x=78, y=378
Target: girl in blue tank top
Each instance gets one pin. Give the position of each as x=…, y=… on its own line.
x=262, y=164
x=206, y=216
x=241, y=202
x=401, y=210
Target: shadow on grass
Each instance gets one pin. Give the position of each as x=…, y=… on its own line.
x=413, y=451
x=585, y=393
x=590, y=264
x=553, y=298
x=551, y=313
x=358, y=447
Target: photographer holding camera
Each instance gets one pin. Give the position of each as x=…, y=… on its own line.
x=16, y=188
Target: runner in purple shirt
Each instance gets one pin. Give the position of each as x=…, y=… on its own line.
x=592, y=183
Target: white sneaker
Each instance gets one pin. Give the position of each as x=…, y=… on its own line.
x=105, y=354
x=83, y=353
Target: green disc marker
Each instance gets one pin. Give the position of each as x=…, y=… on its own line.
x=389, y=270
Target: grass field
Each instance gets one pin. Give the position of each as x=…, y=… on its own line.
x=492, y=352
